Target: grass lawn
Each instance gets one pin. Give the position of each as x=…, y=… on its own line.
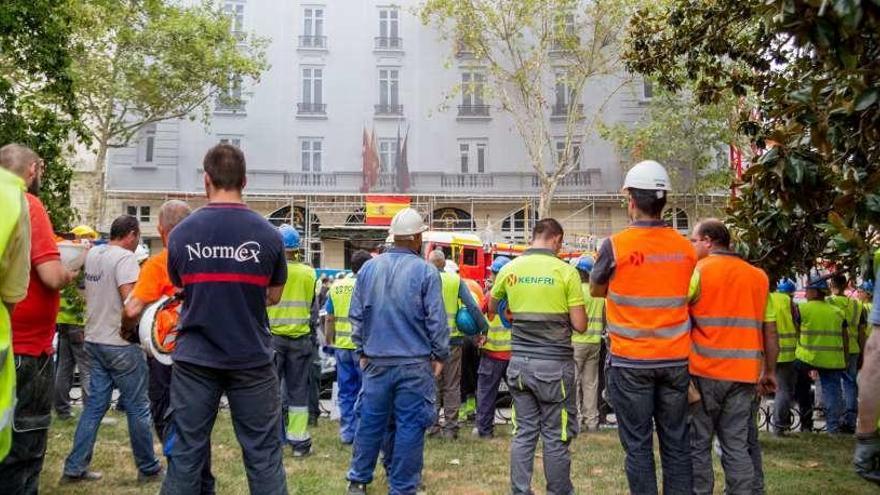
x=801, y=464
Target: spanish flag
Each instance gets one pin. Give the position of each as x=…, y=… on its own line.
x=381, y=209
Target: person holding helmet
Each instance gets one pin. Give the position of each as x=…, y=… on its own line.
x=587, y=347
x=494, y=358
x=788, y=325
x=291, y=326
x=545, y=297
x=824, y=346
x=401, y=336
x=337, y=332
x=645, y=272
x=455, y=295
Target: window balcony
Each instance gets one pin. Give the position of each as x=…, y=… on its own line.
x=473, y=110
x=309, y=42
x=385, y=109
x=561, y=111
x=311, y=109
x=389, y=43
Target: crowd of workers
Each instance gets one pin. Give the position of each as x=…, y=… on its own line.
x=684, y=335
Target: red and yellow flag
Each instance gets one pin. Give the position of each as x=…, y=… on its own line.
x=381, y=209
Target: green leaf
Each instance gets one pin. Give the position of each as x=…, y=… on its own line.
x=866, y=99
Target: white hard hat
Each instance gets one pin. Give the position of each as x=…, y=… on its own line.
x=649, y=175
x=450, y=267
x=145, y=332
x=141, y=253
x=407, y=222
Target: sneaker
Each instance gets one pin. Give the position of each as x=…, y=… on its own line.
x=85, y=476
x=313, y=421
x=302, y=453
x=356, y=488
x=151, y=478
x=64, y=416
x=433, y=431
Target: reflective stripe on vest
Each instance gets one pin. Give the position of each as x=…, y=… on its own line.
x=340, y=296
x=785, y=327
x=821, y=340
x=291, y=316
x=728, y=342
x=498, y=337
x=595, y=308
x=11, y=197
x=646, y=307
x=450, y=287
x=853, y=312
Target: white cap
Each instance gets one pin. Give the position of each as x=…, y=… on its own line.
x=407, y=222
x=649, y=175
x=450, y=267
x=141, y=253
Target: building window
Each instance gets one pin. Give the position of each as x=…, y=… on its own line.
x=230, y=97
x=389, y=92
x=473, y=156
x=313, y=28
x=311, y=155
x=575, y=154
x=149, y=143
x=473, y=89
x=389, y=29
x=235, y=11
x=387, y=155
x=141, y=212
x=677, y=218
x=312, y=91
x=647, y=90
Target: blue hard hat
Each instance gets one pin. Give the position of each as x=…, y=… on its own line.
x=502, y=313
x=867, y=286
x=465, y=322
x=786, y=285
x=290, y=236
x=818, y=282
x=499, y=263
x=585, y=264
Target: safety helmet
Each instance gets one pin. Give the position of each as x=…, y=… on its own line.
x=289, y=235
x=585, y=264
x=407, y=222
x=786, y=285
x=141, y=253
x=818, y=282
x=649, y=175
x=85, y=232
x=159, y=326
x=465, y=322
x=499, y=263
x=451, y=267
x=867, y=286
x=504, y=314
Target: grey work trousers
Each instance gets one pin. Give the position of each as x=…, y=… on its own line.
x=71, y=353
x=586, y=358
x=725, y=410
x=542, y=405
x=449, y=390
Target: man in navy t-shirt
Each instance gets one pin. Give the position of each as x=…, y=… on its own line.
x=230, y=263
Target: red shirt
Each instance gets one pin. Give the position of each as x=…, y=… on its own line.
x=33, y=320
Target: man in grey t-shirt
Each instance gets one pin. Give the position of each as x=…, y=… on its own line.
x=110, y=274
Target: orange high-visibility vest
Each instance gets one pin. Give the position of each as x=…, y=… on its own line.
x=728, y=318
x=646, y=307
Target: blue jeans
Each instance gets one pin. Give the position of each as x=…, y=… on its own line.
x=832, y=397
x=126, y=368
x=348, y=378
x=406, y=394
x=643, y=399
x=851, y=392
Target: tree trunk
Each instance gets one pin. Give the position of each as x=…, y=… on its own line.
x=545, y=201
x=98, y=201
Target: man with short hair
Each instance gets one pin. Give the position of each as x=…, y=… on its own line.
x=455, y=294
x=33, y=328
x=645, y=272
x=229, y=261
x=544, y=294
x=15, y=248
x=114, y=359
x=337, y=332
x=734, y=349
x=401, y=337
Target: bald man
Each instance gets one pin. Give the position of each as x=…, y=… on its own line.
x=33, y=328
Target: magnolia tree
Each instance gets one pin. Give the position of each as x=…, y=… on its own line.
x=539, y=56
x=138, y=62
